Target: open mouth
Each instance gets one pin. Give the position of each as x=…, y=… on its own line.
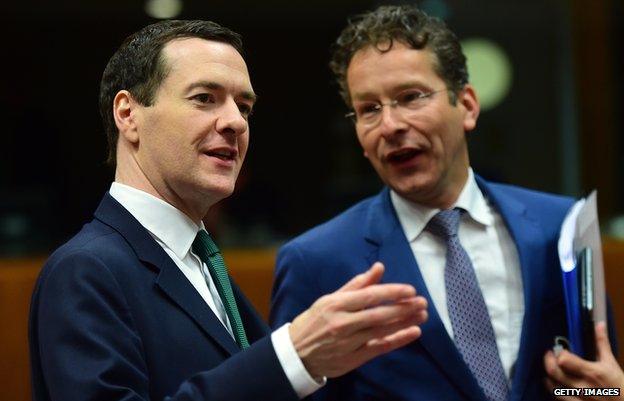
x=403, y=155
x=222, y=154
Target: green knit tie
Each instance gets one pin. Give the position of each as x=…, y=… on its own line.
x=208, y=252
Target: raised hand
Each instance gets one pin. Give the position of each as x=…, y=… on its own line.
x=358, y=322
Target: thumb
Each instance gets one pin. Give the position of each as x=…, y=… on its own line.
x=369, y=277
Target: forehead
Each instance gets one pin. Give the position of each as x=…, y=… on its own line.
x=189, y=60
x=371, y=70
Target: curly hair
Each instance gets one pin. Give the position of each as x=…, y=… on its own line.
x=138, y=65
x=409, y=25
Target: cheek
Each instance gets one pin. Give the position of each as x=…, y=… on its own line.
x=452, y=137
x=243, y=145
x=368, y=144
x=439, y=133
x=157, y=145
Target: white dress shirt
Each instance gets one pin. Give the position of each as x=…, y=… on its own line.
x=175, y=232
x=494, y=256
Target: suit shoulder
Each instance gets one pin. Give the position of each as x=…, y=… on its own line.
x=549, y=208
x=531, y=197
x=96, y=242
x=344, y=227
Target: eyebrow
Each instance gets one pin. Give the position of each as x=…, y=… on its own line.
x=398, y=88
x=247, y=95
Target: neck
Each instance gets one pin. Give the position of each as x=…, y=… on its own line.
x=129, y=172
x=446, y=193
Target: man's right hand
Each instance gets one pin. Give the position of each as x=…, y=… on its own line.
x=358, y=322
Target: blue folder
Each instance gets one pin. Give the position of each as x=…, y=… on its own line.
x=573, y=310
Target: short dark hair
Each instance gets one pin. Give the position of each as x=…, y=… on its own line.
x=407, y=24
x=138, y=66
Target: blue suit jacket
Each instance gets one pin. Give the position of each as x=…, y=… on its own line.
x=113, y=318
x=431, y=368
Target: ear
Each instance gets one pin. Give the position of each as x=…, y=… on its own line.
x=124, y=112
x=467, y=98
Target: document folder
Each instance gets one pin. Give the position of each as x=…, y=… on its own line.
x=580, y=254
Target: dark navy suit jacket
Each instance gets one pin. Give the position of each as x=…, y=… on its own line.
x=431, y=368
x=113, y=318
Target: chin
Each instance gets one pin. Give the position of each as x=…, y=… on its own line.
x=412, y=189
x=221, y=192
x=216, y=190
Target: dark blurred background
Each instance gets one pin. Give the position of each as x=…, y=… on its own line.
x=555, y=127
x=548, y=72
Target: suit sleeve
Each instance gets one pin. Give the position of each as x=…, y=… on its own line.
x=88, y=348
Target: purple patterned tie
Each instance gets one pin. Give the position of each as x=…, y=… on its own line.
x=474, y=335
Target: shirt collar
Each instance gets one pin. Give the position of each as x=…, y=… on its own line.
x=168, y=224
x=414, y=217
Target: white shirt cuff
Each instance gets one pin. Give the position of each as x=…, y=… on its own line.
x=299, y=378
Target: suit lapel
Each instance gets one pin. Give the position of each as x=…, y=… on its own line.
x=174, y=283
x=170, y=279
x=529, y=240
x=389, y=245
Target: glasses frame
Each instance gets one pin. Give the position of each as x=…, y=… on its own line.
x=393, y=103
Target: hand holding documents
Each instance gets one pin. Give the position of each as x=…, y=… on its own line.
x=580, y=254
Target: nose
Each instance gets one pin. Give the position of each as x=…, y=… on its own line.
x=391, y=121
x=231, y=120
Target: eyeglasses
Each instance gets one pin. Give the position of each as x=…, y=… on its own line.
x=369, y=113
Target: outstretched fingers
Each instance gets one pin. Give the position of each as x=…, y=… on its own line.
x=413, y=309
x=369, y=277
x=373, y=295
x=360, y=321
x=378, y=346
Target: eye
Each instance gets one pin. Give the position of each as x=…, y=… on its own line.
x=245, y=110
x=203, y=98
x=367, y=109
x=411, y=97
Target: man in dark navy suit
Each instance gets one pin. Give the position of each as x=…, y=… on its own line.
x=139, y=305
x=483, y=254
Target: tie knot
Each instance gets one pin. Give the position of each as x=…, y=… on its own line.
x=445, y=223
x=204, y=243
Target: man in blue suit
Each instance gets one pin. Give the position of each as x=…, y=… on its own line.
x=483, y=254
x=139, y=305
